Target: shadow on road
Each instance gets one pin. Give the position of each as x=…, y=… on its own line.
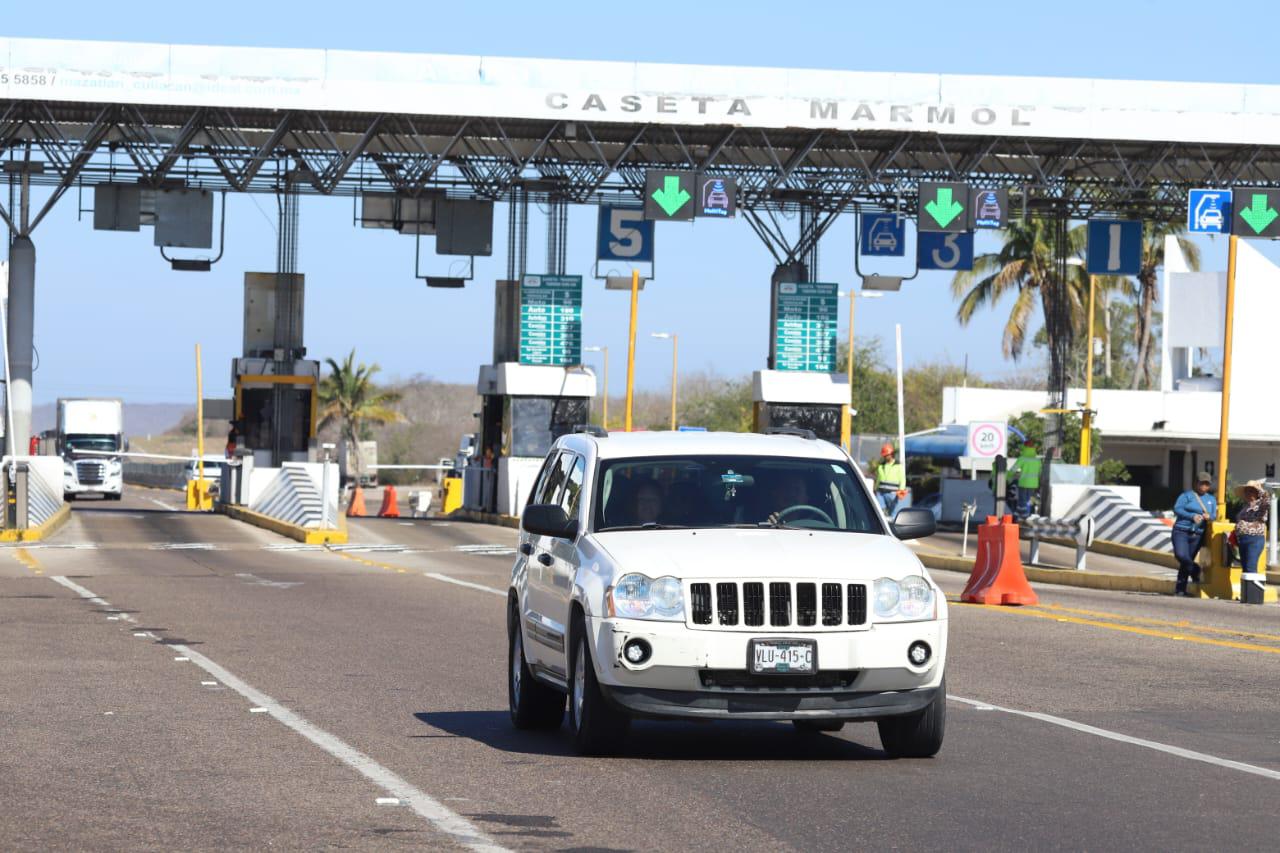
x=669, y=741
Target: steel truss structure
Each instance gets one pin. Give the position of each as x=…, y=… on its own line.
x=779, y=172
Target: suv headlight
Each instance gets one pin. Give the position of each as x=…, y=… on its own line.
x=908, y=600
x=635, y=596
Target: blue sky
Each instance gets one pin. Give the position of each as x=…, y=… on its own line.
x=111, y=318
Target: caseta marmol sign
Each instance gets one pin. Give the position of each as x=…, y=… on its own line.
x=483, y=86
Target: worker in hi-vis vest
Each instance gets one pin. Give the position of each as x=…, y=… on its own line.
x=891, y=480
x=1027, y=467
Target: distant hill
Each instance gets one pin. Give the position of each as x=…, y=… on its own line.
x=140, y=419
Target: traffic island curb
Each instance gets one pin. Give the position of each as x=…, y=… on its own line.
x=1062, y=577
x=511, y=521
x=307, y=535
x=40, y=531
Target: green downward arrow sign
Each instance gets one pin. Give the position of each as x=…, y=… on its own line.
x=671, y=197
x=1259, y=215
x=944, y=208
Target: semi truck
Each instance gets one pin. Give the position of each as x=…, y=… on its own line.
x=94, y=425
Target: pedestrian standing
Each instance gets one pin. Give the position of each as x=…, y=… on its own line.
x=891, y=480
x=1194, y=510
x=1252, y=523
x=1027, y=468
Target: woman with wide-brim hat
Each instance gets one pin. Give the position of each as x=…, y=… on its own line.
x=1252, y=523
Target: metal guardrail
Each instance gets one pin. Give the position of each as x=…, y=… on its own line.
x=1080, y=530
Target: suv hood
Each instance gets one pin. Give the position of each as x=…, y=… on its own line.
x=736, y=554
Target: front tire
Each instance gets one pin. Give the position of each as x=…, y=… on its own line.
x=598, y=728
x=917, y=735
x=533, y=704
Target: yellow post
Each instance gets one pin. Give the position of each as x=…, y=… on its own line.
x=631, y=346
x=675, y=346
x=1227, y=334
x=198, y=492
x=847, y=428
x=1086, y=428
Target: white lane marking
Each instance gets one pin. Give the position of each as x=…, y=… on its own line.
x=164, y=505
x=185, y=546
x=358, y=548
x=1116, y=736
x=468, y=584
x=254, y=580
x=495, y=550
x=447, y=821
x=50, y=546
x=292, y=546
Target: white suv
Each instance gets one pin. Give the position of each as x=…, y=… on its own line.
x=721, y=576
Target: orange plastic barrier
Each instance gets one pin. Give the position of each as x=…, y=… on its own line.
x=356, y=509
x=390, y=503
x=997, y=576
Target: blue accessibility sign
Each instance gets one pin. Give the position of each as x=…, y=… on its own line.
x=624, y=235
x=1113, y=247
x=1209, y=211
x=939, y=251
x=882, y=234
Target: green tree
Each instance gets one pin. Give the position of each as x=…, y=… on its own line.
x=1153, y=239
x=1025, y=266
x=874, y=395
x=350, y=400
x=1032, y=425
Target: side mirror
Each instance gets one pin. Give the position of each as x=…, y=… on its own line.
x=548, y=520
x=914, y=524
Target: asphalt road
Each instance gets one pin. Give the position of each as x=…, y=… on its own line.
x=181, y=681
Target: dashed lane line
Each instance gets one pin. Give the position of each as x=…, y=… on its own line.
x=444, y=819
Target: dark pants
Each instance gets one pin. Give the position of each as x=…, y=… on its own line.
x=1250, y=550
x=1186, y=544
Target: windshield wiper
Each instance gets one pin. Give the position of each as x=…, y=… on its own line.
x=648, y=525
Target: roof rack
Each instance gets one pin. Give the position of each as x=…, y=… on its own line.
x=798, y=432
x=591, y=429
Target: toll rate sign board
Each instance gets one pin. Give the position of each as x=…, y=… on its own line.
x=551, y=319
x=805, y=321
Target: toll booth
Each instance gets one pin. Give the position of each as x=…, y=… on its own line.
x=524, y=409
x=802, y=400
x=275, y=386
x=276, y=408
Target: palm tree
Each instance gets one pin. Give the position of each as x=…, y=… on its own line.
x=349, y=398
x=1153, y=234
x=1026, y=264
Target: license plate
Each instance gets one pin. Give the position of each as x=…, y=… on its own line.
x=784, y=656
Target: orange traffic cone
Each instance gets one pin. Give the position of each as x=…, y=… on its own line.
x=356, y=508
x=390, y=503
x=997, y=576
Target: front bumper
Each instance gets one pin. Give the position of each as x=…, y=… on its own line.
x=709, y=705
x=107, y=488
x=700, y=673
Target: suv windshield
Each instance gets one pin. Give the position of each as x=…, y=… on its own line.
x=731, y=491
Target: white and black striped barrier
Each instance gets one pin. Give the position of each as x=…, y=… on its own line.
x=1078, y=530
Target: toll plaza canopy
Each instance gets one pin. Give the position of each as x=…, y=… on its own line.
x=343, y=121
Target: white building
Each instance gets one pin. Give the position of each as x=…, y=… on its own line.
x=1165, y=437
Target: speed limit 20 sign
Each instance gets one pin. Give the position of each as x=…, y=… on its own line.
x=987, y=439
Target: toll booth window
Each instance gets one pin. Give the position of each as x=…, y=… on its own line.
x=536, y=422
x=823, y=420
